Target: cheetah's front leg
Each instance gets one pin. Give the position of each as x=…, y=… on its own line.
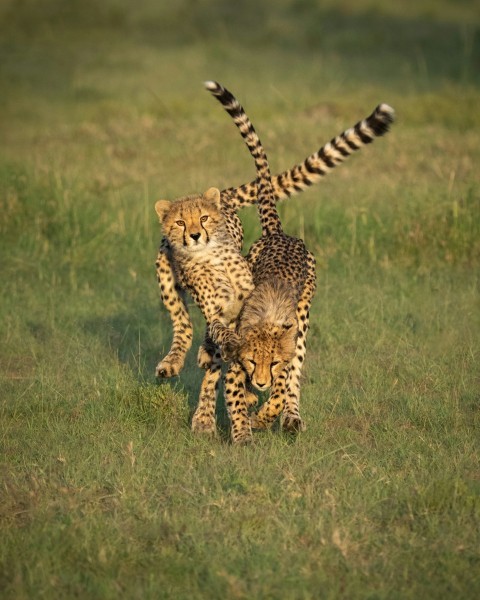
x=235, y=381
x=269, y=411
x=226, y=338
x=172, y=364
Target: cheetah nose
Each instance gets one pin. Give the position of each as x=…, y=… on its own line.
x=261, y=384
x=195, y=236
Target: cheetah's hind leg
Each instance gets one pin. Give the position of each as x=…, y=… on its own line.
x=291, y=420
x=203, y=420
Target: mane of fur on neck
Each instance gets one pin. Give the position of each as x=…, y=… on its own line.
x=270, y=306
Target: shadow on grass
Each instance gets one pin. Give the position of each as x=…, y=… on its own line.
x=133, y=342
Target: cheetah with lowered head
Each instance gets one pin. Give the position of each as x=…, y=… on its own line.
x=273, y=323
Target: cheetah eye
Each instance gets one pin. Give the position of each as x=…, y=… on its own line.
x=275, y=363
x=180, y=223
x=204, y=218
x=252, y=362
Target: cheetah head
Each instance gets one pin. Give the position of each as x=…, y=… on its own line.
x=264, y=353
x=192, y=223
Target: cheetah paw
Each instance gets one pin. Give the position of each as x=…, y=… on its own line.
x=250, y=399
x=230, y=346
x=203, y=425
x=204, y=357
x=293, y=424
x=242, y=438
x=257, y=423
x=166, y=368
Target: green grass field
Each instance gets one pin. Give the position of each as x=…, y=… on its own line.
x=104, y=492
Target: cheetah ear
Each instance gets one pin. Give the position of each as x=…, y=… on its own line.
x=161, y=208
x=213, y=195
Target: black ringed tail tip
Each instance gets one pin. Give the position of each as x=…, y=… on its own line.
x=384, y=115
x=387, y=109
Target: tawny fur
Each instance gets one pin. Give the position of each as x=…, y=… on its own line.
x=207, y=263
x=172, y=285
x=272, y=350
x=312, y=170
x=279, y=262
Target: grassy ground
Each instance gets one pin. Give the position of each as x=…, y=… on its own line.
x=104, y=492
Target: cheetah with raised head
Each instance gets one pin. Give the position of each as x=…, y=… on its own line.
x=296, y=179
x=207, y=263
x=273, y=323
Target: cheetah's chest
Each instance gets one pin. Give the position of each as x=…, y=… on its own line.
x=219, y=282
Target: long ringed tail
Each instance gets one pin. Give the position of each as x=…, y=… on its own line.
x=269, y=219
x=319, y=164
